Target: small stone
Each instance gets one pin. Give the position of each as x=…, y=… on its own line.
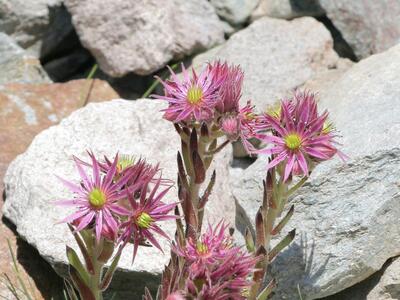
x=234, y=11
x=16, y=65
x=287, y=9
x=33, y=23
x=146, y=35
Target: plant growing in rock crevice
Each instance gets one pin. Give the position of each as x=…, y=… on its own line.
x=121, y=202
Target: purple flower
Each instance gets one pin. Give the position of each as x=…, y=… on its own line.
x=96, y=199
x=230, y=90
x=143, y=216
x=194, y=97
x=244, y=125
x=299, y=136
x=216, y=269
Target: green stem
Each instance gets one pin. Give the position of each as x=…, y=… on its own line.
x=296, y=186
x=95, y=279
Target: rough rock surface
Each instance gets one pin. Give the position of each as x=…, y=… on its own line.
x=16, y=65
x=234, y=11
x=388, y=287
x=287, y=9
x=276, y=56
x=31, y=23
x=135, y=128
x=347, y=215
x=383, y=285
x=26, y=109
x=368, y=26
x=146, y=35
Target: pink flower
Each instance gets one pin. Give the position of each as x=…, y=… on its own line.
x=192, y=98
x=298, y=137
x=244, y=125
x=231, y=87
x=216, y=268
x=141, y=223
x=175, y=296
x=96, y=199
x=209, y=247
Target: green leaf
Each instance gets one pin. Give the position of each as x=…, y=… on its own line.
x=81, y=286
x=267, y=291
x=76, y=263
x=70, y=291
x=110, y=272
x=199, y=169
x=282, y=244
x=249, y=241
x=260, y=229
x=83, y=246
x=283, y=222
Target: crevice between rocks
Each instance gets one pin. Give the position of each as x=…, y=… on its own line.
x=340, y=45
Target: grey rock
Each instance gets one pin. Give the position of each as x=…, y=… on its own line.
x=368, y=26
x=382, y=285
x=287, y=9
x=135, y=128
x=145, y=35
x=31, y=22
x=16, y=65
x=388, y=287
x=234, y=11
x=276, y=56
x=347, y=214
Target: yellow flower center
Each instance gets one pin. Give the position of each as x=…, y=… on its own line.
x=293, y=141
x=201, y=248
x=194, y=95
x=97, y=198
x=124, y=162
x=274, y=110
x=327, y=128
x=144, y=220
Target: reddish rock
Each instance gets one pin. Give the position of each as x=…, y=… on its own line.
x=27, y=109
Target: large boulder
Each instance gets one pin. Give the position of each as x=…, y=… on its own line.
x=16, y=65
x=347, y=214
x=135, y=128
x=368, y=26
x=276, y=56
x=383, y=285
x=234, y=11
x=27, y=109
x=142, y=36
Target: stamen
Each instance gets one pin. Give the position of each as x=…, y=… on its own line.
x=293, y=141
x=194, y=95
x=97, y=198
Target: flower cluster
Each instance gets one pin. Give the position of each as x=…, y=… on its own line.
x=213, y=97
x=120, y=200
x=216, y=268
x=300, y=136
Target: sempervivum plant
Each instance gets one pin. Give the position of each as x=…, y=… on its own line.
x=116, y=203
x=121, y=200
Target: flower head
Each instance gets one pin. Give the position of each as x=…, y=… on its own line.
x=145, y=213
x=96, y=199
x=192, y=98
x=244, y=125
x=230, y=90
x=299, y=137
x=216, y=268
x=208, y=247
